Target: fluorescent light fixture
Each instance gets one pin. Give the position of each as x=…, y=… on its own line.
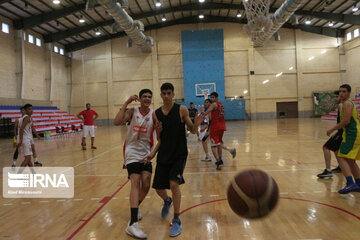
x=355, y=8
x=158, y=3
x=266, y=81
x=201, y=1
x=163, y=19
x=238, y=15
x=308, y=21
x=279, y=74
x=331, y=24
x=81, y=19
x=201, y=16
x=97, y=32
x=56, y=1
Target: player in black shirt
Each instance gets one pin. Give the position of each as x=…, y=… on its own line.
x=172, y=154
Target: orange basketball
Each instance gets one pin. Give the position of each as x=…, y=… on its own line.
x=252, y=194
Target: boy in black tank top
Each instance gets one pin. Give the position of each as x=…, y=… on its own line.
x=172, y=154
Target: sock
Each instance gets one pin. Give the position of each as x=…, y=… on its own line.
x=134, y=215
x=35, y=159
x=168, y=200
x=349, y=181
x=357, y=181
x=140, y=202
x=14, y=163
x=176, y=215
x=207, y=155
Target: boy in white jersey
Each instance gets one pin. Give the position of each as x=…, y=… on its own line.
x=25, y=139
x=138, y=152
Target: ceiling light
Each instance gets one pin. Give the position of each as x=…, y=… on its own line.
x=97, y=32
x=266, y=81
x=238, y=15
x=158, y=3
x=201, y=1
x=331, y=24
x=291, y=68
x=81, y=19
x=245, y=91
x=355, y=9
x=163, y=19
x=56, y=1
x=308, y=21
x=279, y=74
x=201, y=16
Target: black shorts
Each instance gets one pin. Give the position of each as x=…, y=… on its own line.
x=137, y=168
x=166, y=172
x=334, y=142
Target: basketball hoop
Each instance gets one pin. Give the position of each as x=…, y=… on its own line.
x=257, y=14
x=206, y=95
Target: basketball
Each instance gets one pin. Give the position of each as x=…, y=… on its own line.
x=252, y=194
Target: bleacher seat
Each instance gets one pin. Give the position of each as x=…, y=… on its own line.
x=46, y=119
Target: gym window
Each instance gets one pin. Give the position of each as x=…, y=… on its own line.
x=31, y=38
x=61, y=51
x=25, y=36
x=356, y=33
x=348, y=36
x=56, y=49
x=5, y=28
x=38, y=42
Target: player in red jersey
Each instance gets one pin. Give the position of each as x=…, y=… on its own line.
x=89, y=129
x=217, y=128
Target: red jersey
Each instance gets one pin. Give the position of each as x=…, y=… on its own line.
x=217, y=118
x=88, y=117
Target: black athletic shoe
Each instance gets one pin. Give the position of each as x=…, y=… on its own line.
x=219, y=164
x=38, y=164
x=325, y=174
x=336, y=170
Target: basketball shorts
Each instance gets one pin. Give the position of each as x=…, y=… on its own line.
x=334, y=142
x=138, y=168
x=216, y=137
x=25, y=147
x=350, y=147
x=166, y=172
x=88, y=130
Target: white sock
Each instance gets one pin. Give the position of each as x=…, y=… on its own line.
x=35, y=159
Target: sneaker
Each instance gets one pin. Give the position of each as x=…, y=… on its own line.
x=207, y=159
x=219, y=164
x=93, y=147
x=166, y=208
x=325, y=174
x=139, y=214
x=233, y=152
x=336, y=170
x=351, y=188
x=176, y=228
x=135, y=231
x=38, y=164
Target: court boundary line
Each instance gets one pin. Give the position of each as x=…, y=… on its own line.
x=104, y=201
x=286, y=198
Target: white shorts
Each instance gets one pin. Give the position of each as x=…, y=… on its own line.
x=25, y=148
x=88, y=130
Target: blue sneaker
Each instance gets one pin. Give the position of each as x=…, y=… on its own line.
x=351, y=188
x=176, y=228
x=166, y=208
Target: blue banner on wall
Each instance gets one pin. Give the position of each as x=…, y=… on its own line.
x=203, y=63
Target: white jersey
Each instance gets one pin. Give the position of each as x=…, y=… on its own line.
x=140, y=137
x=27, y=135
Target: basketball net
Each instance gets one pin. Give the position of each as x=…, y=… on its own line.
x=206, y=95
x=257, y=14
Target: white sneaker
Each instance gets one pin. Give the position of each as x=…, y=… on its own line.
x=207, y=159
x=139, y=214
x=135, y=231
x=233, y=152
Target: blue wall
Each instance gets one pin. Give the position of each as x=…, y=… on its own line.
x=203, y=62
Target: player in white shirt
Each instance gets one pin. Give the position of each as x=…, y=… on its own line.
x=138, y=152
x=25, y=139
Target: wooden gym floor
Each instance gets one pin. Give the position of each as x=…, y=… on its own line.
x=289, y=150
